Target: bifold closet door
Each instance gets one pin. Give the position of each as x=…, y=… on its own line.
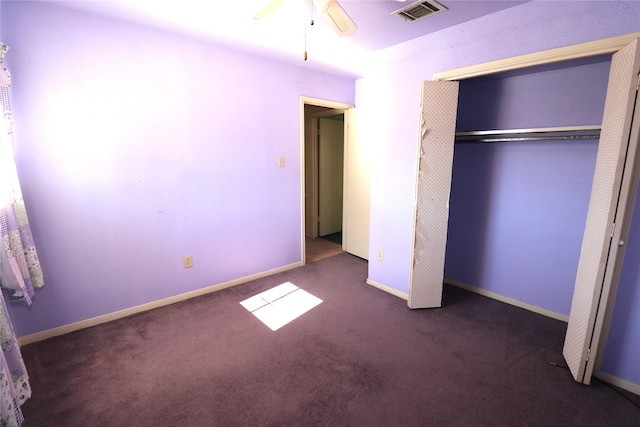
x=435, y=163
x=610, y=207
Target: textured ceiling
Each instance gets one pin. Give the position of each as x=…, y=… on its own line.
x=378, y=29
x=284, y=34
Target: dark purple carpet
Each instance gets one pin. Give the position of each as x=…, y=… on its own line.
x=361, y=358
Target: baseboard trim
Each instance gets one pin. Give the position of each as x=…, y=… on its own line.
x=608, y=378
x=619, y=382
x=387, y=289
x=508, y=300
x=83, y=324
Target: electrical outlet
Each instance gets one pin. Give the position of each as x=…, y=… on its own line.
x=380, y=254
x=188, y=261
x=281, y=161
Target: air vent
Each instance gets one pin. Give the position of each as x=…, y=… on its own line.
x=419, y=10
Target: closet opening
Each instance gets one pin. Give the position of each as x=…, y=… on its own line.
x=611, y=201
x=524, y=159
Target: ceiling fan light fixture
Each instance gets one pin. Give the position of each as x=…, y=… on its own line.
x=337, y=16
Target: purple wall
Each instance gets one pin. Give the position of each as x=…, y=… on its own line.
x=137, y=147
x=518, y=209
x=132, y=152
x=569, y=93
x=389, y=100
x=622, y=352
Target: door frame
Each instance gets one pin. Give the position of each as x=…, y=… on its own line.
x=583, y=50
x=336, y=108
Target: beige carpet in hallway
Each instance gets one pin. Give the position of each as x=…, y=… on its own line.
x=320, y=248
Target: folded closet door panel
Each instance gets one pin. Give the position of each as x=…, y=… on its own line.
x=611, y=191
x=435, y=163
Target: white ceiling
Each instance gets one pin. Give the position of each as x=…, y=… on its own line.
x=282, y=34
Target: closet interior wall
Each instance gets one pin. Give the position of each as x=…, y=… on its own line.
x=518, y=207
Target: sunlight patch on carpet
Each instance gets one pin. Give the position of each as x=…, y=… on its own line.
x=280, y=305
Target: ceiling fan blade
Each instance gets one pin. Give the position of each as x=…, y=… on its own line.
x=338, y=17
x=268, y=9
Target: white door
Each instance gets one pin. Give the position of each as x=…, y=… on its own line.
x=612, y=196
x=330, y=175
x=435, y=163
x=356, y=200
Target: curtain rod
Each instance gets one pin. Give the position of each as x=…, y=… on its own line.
x=590, y=128
x=531, y=134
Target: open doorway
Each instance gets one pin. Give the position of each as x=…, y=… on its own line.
x=324, y=144
x=353, y=169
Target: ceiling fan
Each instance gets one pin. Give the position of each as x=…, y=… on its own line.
x=330, y=9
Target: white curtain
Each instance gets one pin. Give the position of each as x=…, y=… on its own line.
x=20, y=270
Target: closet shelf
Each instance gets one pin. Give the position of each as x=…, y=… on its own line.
x=532, y=134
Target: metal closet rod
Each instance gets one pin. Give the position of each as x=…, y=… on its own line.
x=531, y=134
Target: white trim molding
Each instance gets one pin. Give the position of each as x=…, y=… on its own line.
x=83, y=324
x=508, y=300
x=582, y=50
x=388, y=289
x=618, y=382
